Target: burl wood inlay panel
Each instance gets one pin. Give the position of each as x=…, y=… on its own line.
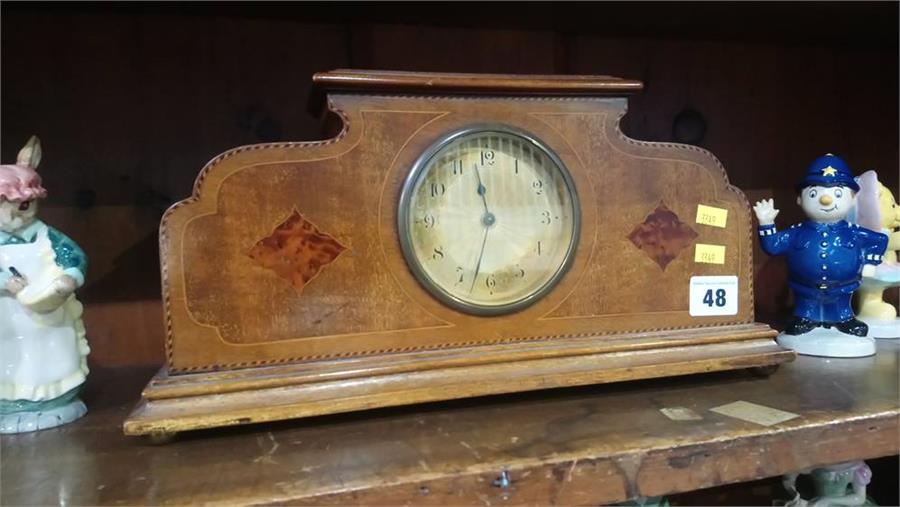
x=662, y=235
x=296, y=250
x=225, y=308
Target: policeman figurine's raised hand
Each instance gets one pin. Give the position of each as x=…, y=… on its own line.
x=826, y=257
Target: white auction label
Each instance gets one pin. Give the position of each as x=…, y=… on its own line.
x=714, y=295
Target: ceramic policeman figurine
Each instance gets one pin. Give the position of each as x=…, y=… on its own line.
x=826, y=257
x=877, y=209
x=43, y=348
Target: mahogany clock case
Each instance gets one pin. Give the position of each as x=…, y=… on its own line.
x=287, y=294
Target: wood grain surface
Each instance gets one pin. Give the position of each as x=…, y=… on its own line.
x=578, y=446
x=200, y=400
x=225, y=311
x=242, y=290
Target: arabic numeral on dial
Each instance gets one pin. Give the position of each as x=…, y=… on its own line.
x=490, y=282
x=437, y=189
x=719, y=300
x=538, y=186
x=520, y=272
x=487, y=157
x=546, y=218
x=460, y=271
x=438, y=253
x=429, y=221
x=457, y=167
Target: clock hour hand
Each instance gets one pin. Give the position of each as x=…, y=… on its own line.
x=481, y=189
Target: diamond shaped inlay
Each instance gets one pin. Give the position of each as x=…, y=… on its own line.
x=662, y=235
x=296, y=250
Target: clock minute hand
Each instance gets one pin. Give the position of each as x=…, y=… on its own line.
x=480, y=256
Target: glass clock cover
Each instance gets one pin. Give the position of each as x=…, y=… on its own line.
x=488, y=220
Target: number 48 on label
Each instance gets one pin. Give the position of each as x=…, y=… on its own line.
x=713, y=295
x=720, y=298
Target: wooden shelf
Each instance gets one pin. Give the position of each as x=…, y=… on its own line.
x=581, y=446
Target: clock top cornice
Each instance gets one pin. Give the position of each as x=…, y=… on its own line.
x=381, y=81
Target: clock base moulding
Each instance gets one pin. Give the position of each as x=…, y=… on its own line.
x=303, y=302
x=175, y=403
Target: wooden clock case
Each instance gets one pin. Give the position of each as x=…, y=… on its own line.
x=286, y=294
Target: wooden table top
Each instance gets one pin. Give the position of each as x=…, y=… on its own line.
x=579, y=446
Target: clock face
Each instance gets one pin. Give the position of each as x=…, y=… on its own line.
x=488, y=220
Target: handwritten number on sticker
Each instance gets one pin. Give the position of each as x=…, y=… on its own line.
x=710, y=215
x=709, y=254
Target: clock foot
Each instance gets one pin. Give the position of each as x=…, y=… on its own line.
x=763, y=371
x=162, y=437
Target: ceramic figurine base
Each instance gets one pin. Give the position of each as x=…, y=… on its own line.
x=843, y=484
x=879, y=315
x=646, y=501
x=883, y=329
x=828, y=343
x=24, y=422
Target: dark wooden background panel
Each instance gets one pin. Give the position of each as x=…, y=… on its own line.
x=131, y=100
x=452, y=49
x=130, y=107
x=770, y=110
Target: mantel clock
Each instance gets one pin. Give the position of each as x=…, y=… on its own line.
x=461, y=235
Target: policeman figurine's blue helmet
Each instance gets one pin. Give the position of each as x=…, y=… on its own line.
x=828, y=171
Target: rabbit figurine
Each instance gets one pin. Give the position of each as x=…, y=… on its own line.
x=43, y=348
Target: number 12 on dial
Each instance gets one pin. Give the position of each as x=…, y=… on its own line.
x=488, y=220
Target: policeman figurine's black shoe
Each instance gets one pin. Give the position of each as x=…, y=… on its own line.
x=853, y=326
x=801, y=326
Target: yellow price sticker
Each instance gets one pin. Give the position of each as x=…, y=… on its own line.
x=710, y=215
x=709, y=254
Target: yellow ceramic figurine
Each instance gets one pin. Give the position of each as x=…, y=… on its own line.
x=877, y=209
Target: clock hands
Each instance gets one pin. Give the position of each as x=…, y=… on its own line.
x=487, y=220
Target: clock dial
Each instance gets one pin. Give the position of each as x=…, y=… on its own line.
x=488, y=220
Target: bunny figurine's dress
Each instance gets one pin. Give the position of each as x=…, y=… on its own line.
x=43, y=347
